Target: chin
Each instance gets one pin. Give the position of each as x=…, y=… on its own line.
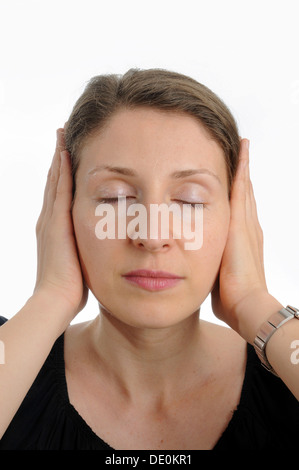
x=149, y=317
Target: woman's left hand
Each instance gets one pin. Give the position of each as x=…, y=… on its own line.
x=241, y=281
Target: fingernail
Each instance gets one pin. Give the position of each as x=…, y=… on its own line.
x=247, y=143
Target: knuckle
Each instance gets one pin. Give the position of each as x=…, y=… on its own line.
x=52, y=178
x=60, y=191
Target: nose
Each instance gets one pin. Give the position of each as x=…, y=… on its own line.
x=154, y=232
x=151, y=245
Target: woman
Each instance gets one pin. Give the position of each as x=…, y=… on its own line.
x=147, y=373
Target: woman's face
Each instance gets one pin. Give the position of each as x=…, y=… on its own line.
x=143, y=151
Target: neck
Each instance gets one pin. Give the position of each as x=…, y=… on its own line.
x=147, y=362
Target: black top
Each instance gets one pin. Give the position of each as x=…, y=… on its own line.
x=267, y=416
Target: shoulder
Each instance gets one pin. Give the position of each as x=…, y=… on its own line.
x=224, y=343
x=267, y=412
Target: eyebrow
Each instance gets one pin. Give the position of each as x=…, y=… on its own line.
x=175, y=175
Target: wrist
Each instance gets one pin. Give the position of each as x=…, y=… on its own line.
x=274, y=323
x=52, y=310
x=253, y=311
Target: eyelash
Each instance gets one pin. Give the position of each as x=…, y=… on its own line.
x=113, y=200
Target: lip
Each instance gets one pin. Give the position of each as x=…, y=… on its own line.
x=152, y=280
x=150, y=273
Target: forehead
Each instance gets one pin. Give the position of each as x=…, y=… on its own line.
x=154, y=142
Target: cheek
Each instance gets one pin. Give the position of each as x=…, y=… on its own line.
x=216, y=228
x=205, y=262
x=93, y=253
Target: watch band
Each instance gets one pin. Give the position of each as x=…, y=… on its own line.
x=268, y=329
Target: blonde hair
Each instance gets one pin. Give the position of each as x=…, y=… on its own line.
x=155, y=88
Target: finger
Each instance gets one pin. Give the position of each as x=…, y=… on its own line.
x=54, y=173
x=45, y=197
x=253, y=224
x=254, y=212
x=60, y=139
x=49, y=194
x=64, y=193
x=258, y=229
x=244, y=156
x=242, y=172
x=240, y=187
x=59, y=143
x=251, y=206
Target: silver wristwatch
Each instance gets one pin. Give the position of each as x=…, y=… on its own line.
x=268, y=329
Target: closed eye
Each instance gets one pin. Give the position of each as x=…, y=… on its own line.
x=113, y=200
x=194, y=205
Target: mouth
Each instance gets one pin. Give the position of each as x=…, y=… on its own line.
x=152, y=280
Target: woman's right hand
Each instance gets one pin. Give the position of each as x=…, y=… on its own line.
x=59, y=275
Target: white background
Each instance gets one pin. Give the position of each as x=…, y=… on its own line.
x=245, y=51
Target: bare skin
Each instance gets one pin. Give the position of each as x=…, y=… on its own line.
x=146, y=372
x=188, y=408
